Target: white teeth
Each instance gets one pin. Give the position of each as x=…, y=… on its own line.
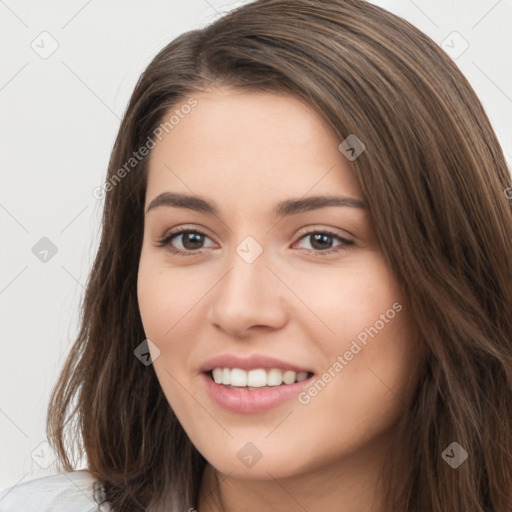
x=274, y=377
x=256, y=378
x=238, y=377
x=218, y=375
x=302, y=376
x=289, y=377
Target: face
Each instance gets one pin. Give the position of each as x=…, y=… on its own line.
x=279, y=335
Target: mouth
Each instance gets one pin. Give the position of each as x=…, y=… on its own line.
x=256, y=379
x=253, y=384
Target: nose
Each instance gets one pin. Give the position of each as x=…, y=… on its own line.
x=247, y=299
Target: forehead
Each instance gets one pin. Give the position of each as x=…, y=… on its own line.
x=249, y=146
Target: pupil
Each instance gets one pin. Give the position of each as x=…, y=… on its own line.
x=193, y=238
x=319, y=237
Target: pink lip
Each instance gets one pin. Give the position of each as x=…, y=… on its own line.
x=245, y=401
x=250, y=363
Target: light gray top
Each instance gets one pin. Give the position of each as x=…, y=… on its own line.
x=73, y=491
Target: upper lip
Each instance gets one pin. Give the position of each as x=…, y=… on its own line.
x=251, y=362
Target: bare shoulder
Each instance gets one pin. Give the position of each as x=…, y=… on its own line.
x=74, y=491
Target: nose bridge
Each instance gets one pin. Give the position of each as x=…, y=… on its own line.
x=249, y=268
x=248, y=278
x=246, y=295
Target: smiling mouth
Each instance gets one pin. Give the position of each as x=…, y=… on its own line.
x=257, y=379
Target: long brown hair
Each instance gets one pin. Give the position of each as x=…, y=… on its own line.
x=434, y=178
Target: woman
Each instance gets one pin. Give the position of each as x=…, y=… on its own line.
x=302, y=293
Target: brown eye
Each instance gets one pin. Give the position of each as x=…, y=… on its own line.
x=191, y=241
x=322, y=242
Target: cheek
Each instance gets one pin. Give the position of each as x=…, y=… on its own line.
x=371, y=356
x=350, y=301
x=166, y=296
x=365, y=393
x=153, y=301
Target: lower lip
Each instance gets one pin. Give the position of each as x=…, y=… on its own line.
x=245, y=401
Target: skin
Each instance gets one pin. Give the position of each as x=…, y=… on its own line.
x=245, y=152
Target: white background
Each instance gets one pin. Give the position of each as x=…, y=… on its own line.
x=59, y=119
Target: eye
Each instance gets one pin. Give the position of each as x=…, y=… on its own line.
x=321, y=242
x=191, y=241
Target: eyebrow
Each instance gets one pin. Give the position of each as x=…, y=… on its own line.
x=282, y=209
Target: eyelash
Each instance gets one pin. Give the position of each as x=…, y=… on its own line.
x=165, y=241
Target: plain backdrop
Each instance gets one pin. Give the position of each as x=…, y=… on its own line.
x=67, y=70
